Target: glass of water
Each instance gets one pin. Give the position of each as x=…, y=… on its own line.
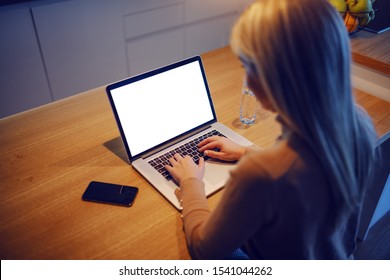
x=248, y=106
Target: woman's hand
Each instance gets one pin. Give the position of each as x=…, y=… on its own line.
x=227, y=150
x=184, y=167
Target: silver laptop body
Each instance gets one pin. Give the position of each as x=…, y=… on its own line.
x=163, y=109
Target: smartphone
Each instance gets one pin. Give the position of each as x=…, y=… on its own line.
x=110, y=193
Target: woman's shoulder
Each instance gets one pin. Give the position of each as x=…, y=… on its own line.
x=270, y=163
x=288, y=156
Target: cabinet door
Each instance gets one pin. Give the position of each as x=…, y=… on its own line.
x=208, y=24
x=154, y=38
x=82, y=44
x=23, y=81
x=154, y=51
x=208, y=34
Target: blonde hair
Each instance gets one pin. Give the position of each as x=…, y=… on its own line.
x=299, y=52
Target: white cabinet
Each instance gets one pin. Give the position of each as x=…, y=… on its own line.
x=23, y=83
x=208, y=34
x=208, y=24
x=164, y=31
x=82, y=44
x=53, y=49
x=154, y=37
x=197, y=10
x=153, y=21
x=154, y=51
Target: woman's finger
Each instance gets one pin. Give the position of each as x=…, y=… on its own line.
x=208, y=140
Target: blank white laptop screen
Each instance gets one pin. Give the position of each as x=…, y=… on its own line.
x=160, y=107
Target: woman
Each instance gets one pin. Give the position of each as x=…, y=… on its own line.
x=300, y=199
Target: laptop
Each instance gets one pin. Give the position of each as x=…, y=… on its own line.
x=166, y=111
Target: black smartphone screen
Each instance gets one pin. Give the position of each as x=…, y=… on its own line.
x=110, y=193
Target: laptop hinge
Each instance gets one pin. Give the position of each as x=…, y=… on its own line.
x=174, y=141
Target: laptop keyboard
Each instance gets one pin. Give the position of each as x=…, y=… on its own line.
x=190, y=148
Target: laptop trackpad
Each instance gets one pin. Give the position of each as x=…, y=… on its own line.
x=217, y=173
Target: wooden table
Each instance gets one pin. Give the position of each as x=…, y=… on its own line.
x=372, y=50
x=50, y=154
